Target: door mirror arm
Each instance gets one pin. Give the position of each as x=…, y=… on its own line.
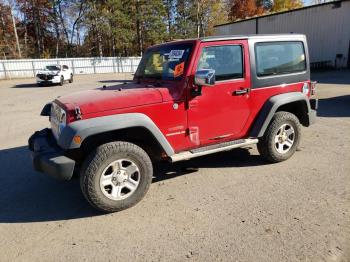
x=196, y=91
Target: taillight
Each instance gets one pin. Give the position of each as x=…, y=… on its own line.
x=313, y=88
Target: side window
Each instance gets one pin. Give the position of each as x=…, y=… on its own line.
x=65, y=67
x=276, y=58
x=227, y=61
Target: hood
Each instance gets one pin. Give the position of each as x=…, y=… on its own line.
x=111, y=98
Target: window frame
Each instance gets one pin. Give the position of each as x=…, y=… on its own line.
x=220, y=45
x=279, y=74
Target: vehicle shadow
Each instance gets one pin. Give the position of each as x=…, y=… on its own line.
x=29, y=196
x=338, y=106
x=31, y=85
x=339, y=77
x=239, y=157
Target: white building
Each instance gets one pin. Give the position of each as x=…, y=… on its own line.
x=327, y=27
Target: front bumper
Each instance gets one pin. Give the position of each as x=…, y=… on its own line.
x=54, y=80
x=48, y=158
x=313, y=111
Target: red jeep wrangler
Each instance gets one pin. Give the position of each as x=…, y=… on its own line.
x=188, y=99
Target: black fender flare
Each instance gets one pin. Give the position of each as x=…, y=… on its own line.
x=271, y=106
x=98, y=125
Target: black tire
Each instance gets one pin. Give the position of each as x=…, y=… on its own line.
x=71, y=79
x=39, y=84
x=267, y=145
x=62, y=81
x=99, y=160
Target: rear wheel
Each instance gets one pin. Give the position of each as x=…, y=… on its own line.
x=71, y=78
x=61, y=81
x=281, y=138
x=116, y=176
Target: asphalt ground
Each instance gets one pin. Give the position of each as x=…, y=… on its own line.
x=229, y=206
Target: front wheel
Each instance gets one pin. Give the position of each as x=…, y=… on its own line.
x=281, y=138
x=61, y=81
x=116, y=176
x=70, y=79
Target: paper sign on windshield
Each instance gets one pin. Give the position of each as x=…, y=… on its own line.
x=176, y=54
x=179, y=69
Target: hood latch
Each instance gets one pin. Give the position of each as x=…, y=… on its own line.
x=77, y=113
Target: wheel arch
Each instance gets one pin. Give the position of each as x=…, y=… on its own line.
x=137, y=135
x=295, y=102
x=132, y=127
x=298, y=108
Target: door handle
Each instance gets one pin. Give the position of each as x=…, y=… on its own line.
x=240, y=92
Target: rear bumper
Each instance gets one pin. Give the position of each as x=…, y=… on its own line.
x=48, y=158
x=313, y=111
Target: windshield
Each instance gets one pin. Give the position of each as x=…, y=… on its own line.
x=52, y=68
x=166, y=62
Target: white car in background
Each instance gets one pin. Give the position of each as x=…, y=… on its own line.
x=54, y=74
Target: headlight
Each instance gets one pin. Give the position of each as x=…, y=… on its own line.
x=62, y=123
x=58, y=119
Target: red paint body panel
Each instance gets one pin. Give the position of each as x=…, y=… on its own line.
x=260, y=95
x=100, y=100
x=186, y=121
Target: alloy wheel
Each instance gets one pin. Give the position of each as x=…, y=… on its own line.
x=120, y=179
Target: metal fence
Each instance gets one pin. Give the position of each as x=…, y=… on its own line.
x=21, y=68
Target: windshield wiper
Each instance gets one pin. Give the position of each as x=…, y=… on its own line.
x=157, y=84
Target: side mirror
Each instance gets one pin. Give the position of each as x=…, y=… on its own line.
x=205, y=77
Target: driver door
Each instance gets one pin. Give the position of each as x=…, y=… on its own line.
x=221, y=111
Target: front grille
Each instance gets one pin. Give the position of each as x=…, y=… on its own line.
x=57, y=119
x=45, y=77
x=55, y=111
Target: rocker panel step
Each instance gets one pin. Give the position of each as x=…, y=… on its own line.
x=212, y=149
x=206, y=148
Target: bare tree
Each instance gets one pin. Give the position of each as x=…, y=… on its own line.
x=15, y=31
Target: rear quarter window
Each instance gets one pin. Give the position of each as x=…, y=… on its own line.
x=278, y=58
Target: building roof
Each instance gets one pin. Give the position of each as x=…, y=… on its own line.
x=338, y=2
